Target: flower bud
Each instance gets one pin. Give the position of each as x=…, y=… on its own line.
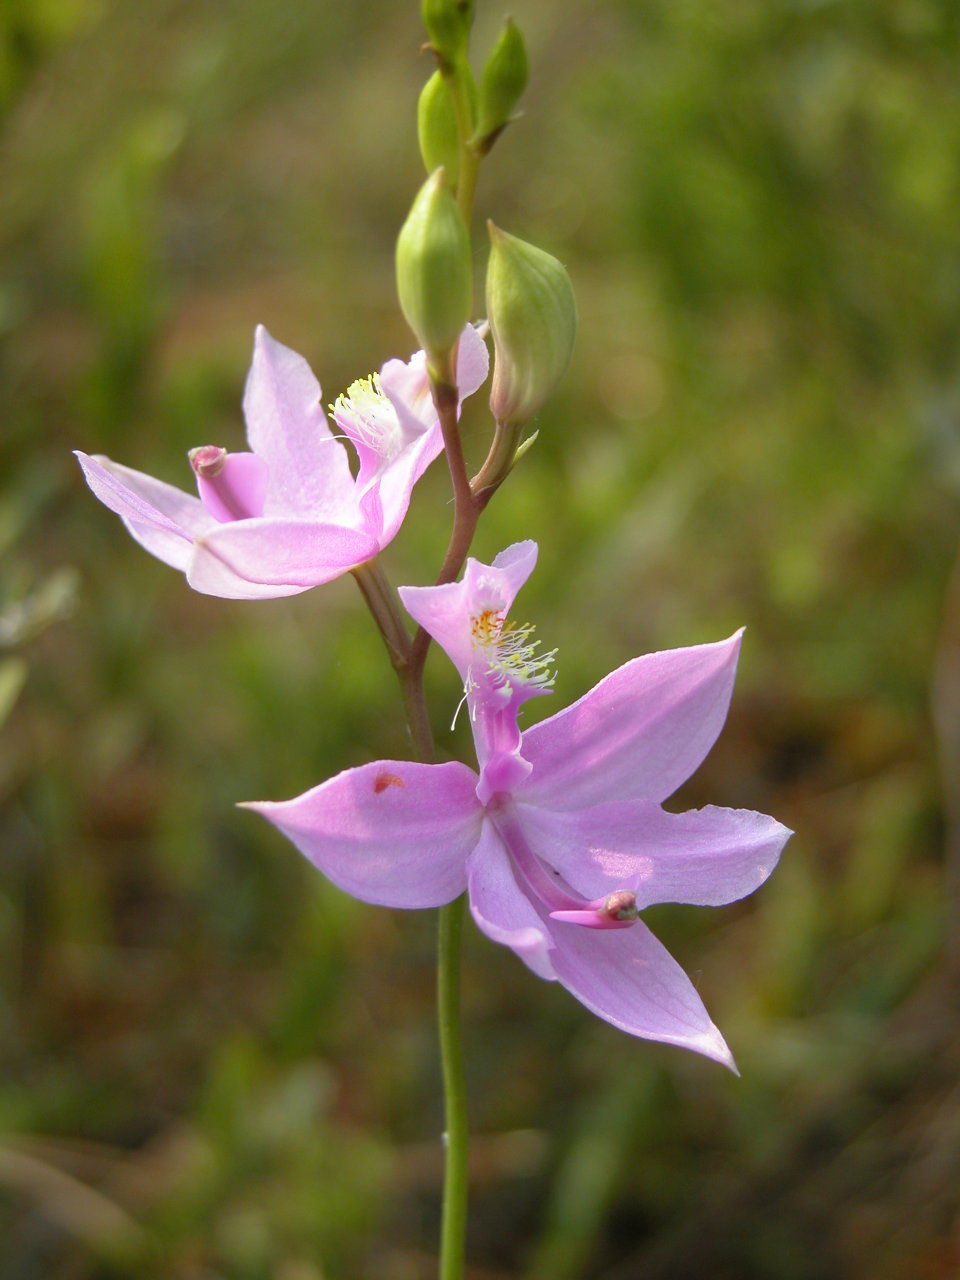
x=434, y=271
x=503, y=81
x=437, y=128
x=448, y=24
x=533, y=317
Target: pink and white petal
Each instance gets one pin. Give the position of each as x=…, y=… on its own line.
x=638, y=734
x=396, y=482
x=393, y=832
x=705, y=857
x=139, y=497
x=269, y=557
x=287, y=427
x=500, y=907
x=162, y=518
x=473, y=360
x=237, y=490
x=446, y=612
x=407, y=385
x=628, y=978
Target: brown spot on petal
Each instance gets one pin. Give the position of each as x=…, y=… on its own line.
x=384, y=780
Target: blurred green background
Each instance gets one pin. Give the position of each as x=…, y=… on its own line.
x=216, y=1066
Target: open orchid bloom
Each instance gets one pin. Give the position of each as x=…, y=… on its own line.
x=288, y=514
x=561, y=840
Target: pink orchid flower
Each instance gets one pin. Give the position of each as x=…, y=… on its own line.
x=561, y=840
x=288, y=514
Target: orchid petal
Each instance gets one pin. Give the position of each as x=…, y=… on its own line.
x=392, y=832
x=407, y=384
x=396, y=482
x=447, y=611
x=630, y=979
x=236, y=490
x=263, y=558
x=162, y=518
x=473, y=360
x=288, y=429
x=500, y=907
x=705, y=857
x=638, y=734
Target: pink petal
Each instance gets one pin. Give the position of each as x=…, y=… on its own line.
x=395, y=484
x=501, y=908
x=407, y=385
x=408, y=389
x=269, y=557
x=287, y=427
x=163, y=519
x=238, y=488
x=473, y=360
x=638, y=734
x=705, y=857
x=630, y=979
x=392, y=832
x=447, y=611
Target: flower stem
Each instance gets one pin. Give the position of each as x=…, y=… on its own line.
x=456, y=75
x=456, y=1134
x=382, y=603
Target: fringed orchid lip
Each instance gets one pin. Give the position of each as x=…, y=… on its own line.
x=232, y=486
x=368, y=418
x=617, y=910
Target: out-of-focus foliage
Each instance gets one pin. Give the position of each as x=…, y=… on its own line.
x=215, y=1065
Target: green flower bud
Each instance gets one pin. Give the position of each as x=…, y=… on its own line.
x=437, y=128
x=533, y=317
x=503, y=81
x=448, y=24
x=434, y=271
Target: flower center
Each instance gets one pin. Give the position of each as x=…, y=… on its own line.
x=509, y=660
x=367, y=417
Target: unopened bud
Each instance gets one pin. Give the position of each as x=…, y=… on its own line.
x=434, y=271
x=533, y=317
x=503, y=81
x=437, y=128
x=448, y=24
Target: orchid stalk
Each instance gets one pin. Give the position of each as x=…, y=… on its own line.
x=557, y=838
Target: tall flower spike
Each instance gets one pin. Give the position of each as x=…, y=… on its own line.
x=288, y=515
x=561, y=840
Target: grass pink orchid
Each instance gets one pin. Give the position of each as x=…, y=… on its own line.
x=560, y=840
x=289, y=515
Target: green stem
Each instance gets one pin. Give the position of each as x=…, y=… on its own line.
x=381, y=601
x=456, y=76
x=453, y=1231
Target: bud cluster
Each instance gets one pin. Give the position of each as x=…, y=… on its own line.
x=529, y=297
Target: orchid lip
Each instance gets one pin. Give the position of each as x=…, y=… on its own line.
x=617, y=910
